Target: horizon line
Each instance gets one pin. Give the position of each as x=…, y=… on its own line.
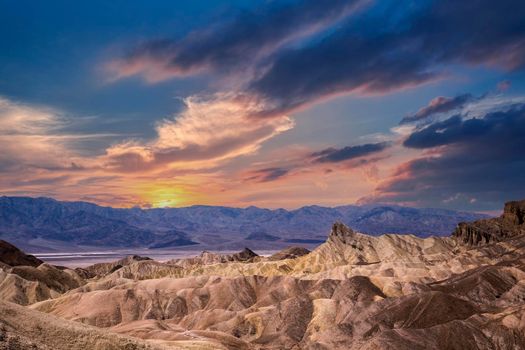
x=378, y=204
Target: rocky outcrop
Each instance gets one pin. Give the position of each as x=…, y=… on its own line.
x=289, y=253
x=244, y=255
x=510, y=224
x=27, y=284
x=12, y=256
x=514, y=212
x=24, y=279
x=208, y=258
x=341, y=233
x=102, y=269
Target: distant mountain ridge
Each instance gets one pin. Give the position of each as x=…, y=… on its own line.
x=44, y=222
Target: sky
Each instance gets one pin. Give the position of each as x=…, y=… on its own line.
x=268, y=103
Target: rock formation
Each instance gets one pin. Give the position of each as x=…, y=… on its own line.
x=102, y=269
x=209, y=258
x=12, y=256
x=341, y=233
x=509, y=224
x=289, y=253
x=24, y=279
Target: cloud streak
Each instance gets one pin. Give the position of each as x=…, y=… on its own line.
x=226, y=46
x=334, y=155
x=268, y=174
x=438, y=106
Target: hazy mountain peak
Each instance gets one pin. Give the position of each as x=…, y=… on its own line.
x=38, y=223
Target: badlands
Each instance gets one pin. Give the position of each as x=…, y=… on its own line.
x=355, y=291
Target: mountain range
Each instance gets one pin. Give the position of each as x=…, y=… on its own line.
x=37, y=224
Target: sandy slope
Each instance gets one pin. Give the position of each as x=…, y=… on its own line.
x=23, y=328
x=355, y=291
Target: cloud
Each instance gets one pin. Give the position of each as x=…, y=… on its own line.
x=27, y=136
x=308, y=50
x=39, y=137
x=268, y=174
x=308, y=163
x=96, y=180
x=53, y=180
x=335, y=155
x=439, y=105
x=475, y=163
x=388, y=49
x=208, y=130
x=20, y=119
x=226, y=46
x=296, y=54
x=282, y=57
x=458, y=130
x=186, y=156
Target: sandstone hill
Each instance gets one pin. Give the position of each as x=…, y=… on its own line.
x=354, y=291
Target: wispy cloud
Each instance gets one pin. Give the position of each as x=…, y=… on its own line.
x=208, y=130
x=27, y=136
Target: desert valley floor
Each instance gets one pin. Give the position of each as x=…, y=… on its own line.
x=355, y=291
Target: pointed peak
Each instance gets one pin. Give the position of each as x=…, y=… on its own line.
x=247, y=251
x=341, y=232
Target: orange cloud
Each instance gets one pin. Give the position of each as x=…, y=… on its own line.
x=209, y=130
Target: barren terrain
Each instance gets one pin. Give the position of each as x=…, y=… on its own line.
x=354, y=291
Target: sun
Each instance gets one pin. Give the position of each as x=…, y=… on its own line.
x=162, y=196
x=165, y=203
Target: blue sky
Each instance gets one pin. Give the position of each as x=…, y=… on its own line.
x=269, y=103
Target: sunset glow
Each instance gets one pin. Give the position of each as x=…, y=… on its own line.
x=210, y=107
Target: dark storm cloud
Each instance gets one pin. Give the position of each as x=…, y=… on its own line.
x=335, y=155
x=479, y=163
x=238, y=42
x=367, y=55
x=438, y=105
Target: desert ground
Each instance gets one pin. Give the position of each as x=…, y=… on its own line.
x=355, y=291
